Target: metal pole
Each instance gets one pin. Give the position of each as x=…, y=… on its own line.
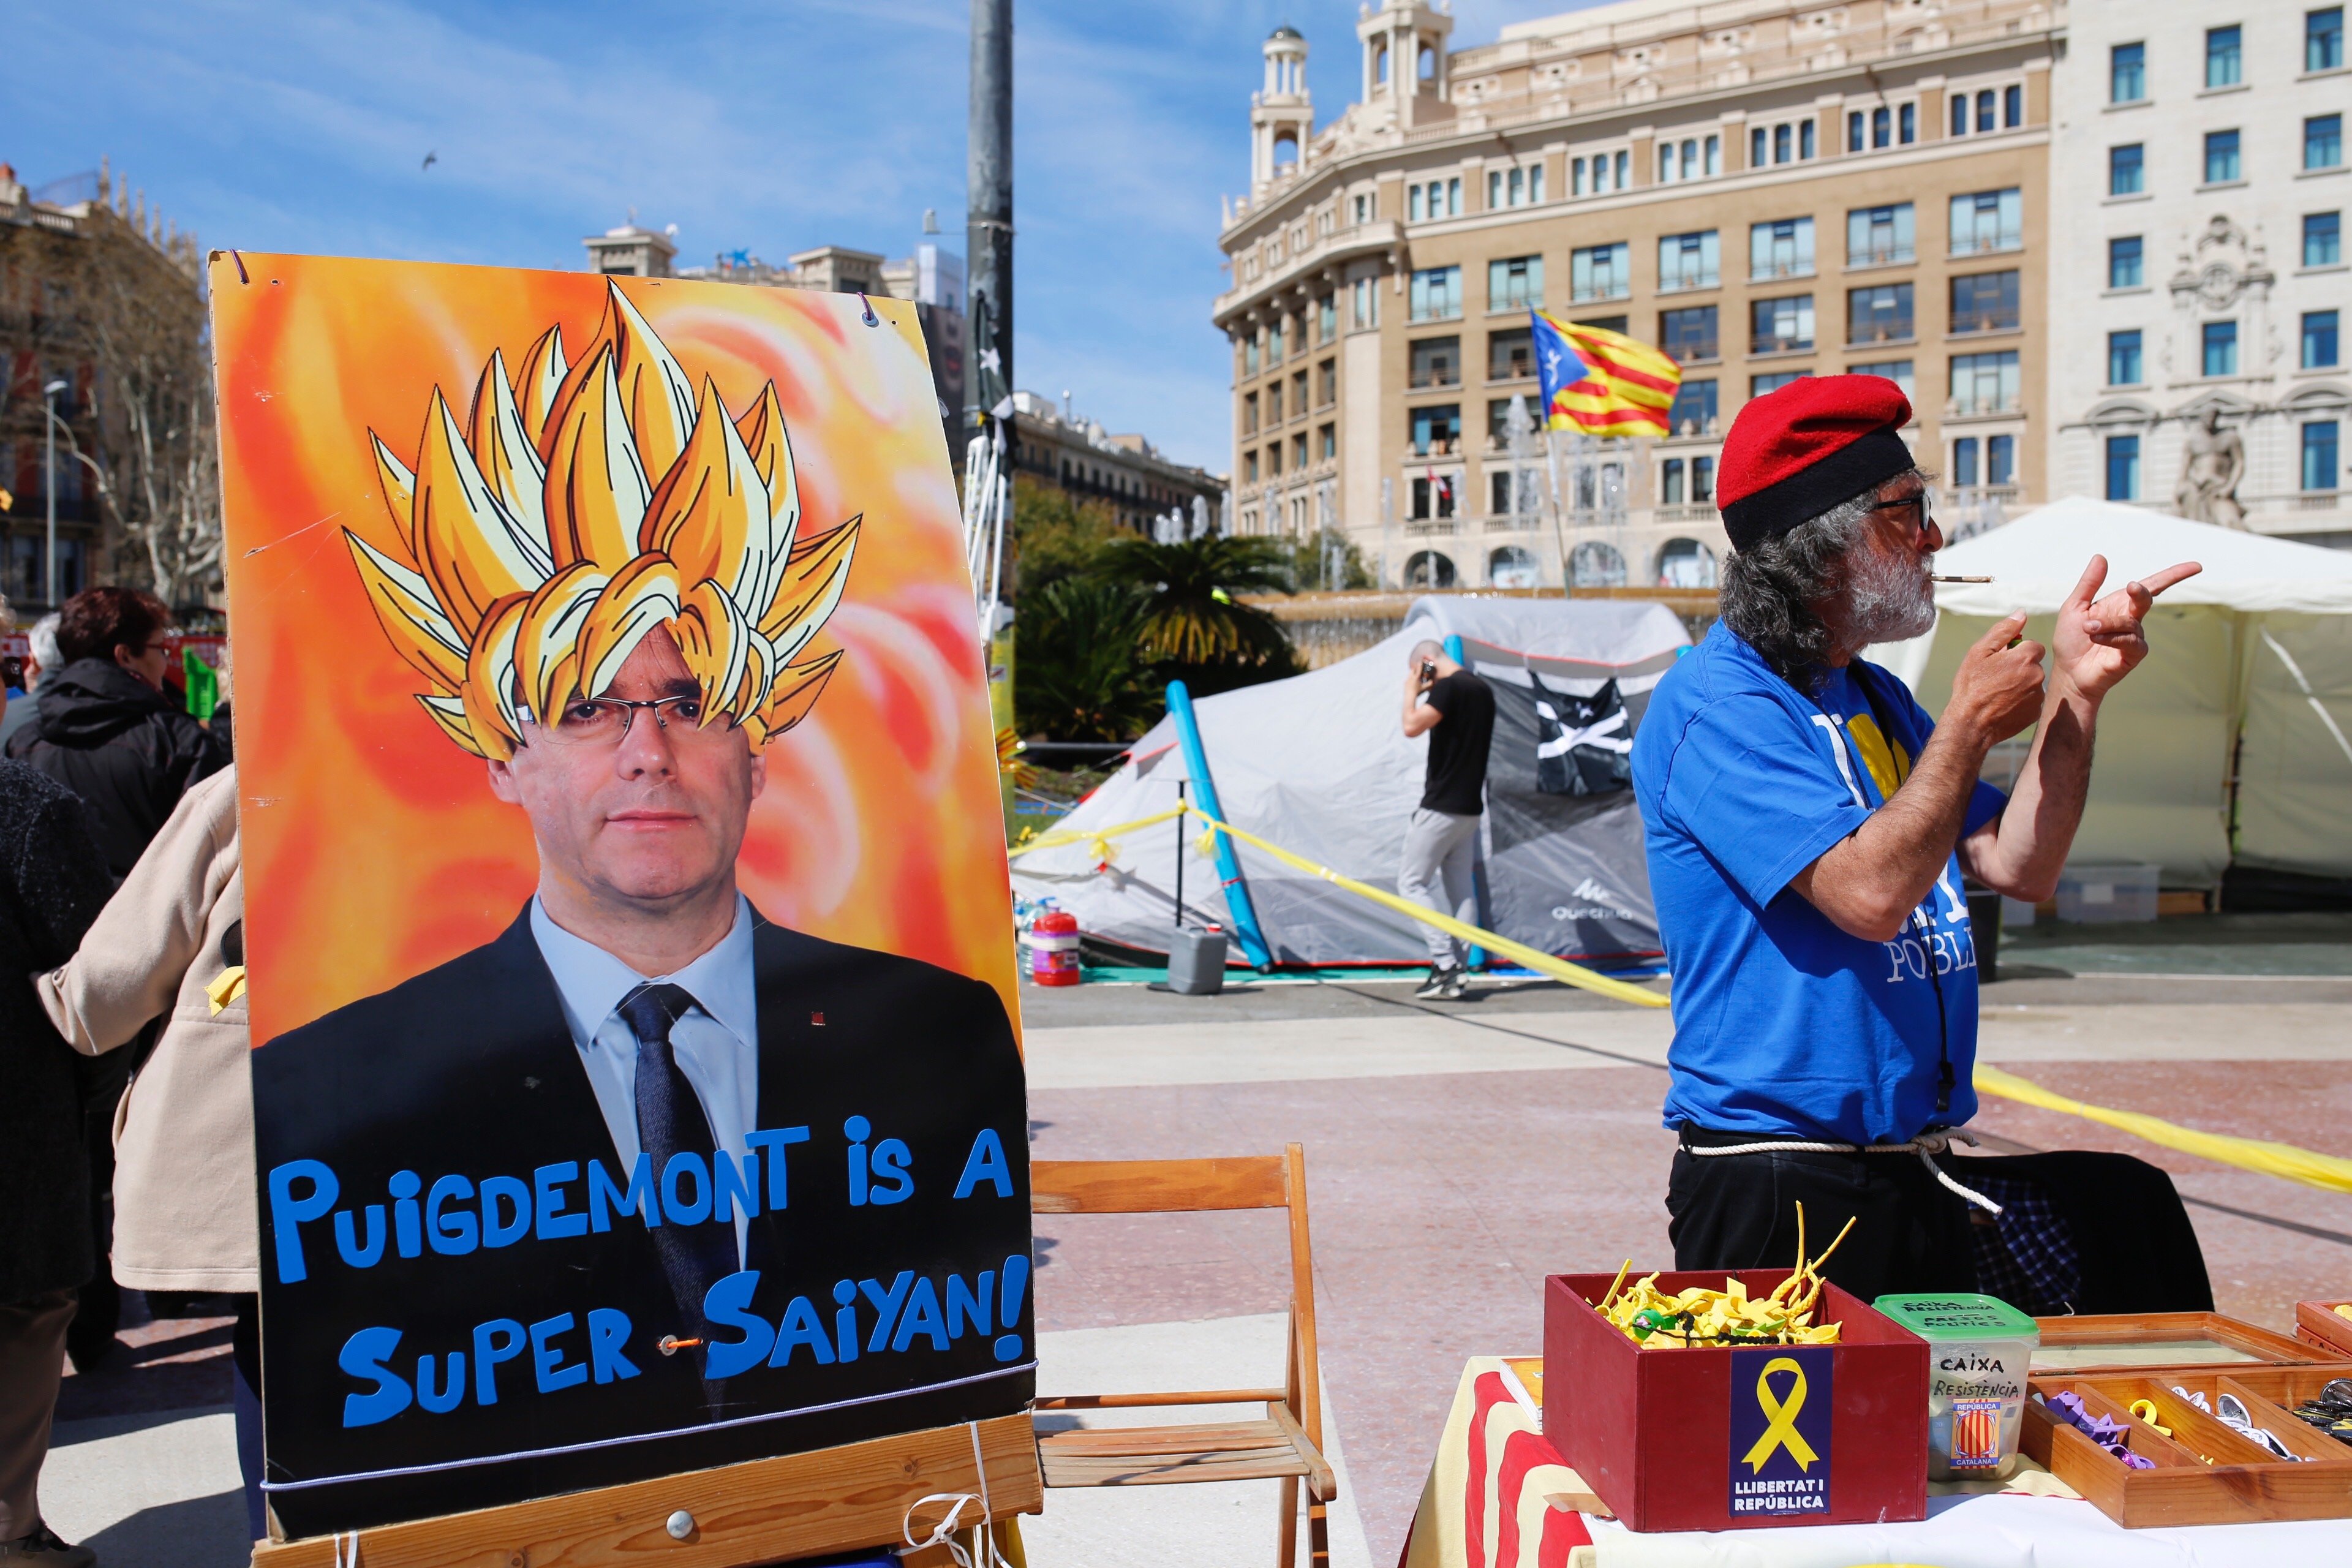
x=49, y=493
x=1179, y=855
x=989, y=217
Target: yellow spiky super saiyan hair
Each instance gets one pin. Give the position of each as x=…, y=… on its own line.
x=583, y=507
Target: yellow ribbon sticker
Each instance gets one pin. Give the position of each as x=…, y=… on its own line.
x=226, y=987
x=1780, y=1420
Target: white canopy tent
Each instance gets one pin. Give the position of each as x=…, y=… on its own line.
x=2249, y=663
x=1320, y=764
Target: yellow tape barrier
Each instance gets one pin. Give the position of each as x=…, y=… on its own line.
x=2314, y=1170
x=1533, y=958
x=1059, y=838
x=2329, y=1172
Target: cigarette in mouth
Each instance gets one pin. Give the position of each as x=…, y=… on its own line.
x=1933, y=578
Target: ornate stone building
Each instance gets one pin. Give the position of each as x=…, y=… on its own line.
x=2199, y=298
x=1766, y=190
x=103, y=329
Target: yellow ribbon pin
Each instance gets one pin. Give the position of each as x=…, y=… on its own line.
x=226, y=987
x=1780, y=1428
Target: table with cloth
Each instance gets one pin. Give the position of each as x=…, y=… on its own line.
x=1499, y=1496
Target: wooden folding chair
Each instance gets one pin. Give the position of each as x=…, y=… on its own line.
x=1288, y=1444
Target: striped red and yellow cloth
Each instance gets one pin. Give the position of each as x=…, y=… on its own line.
x=1487, y=1502
x=1601, y=383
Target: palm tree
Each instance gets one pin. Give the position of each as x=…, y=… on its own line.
x=1191, y=612
x=1078, y=677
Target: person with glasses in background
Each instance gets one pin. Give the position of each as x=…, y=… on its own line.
x=1808, y=826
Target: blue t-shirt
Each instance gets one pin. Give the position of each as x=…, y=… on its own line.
x=1784, y=1023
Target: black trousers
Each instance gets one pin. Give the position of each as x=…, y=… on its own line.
x=1739, y=1211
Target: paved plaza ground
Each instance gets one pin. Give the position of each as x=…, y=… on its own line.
x=1456, y=1154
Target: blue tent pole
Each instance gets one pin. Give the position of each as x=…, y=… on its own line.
x=1477, y=957
x=1229, y=866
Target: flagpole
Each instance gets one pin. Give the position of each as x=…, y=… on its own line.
x=1559, y=521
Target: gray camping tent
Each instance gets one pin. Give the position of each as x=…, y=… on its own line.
x=1318, y=764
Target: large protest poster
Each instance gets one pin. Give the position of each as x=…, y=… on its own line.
x=635, y=1079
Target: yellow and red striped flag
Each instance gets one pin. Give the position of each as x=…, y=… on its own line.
x=1603, y=382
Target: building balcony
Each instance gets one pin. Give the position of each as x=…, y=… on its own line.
x=1773, y=272
x=1513, y=522
x=1601, y=291
x=1963, y=245
x=1690, y=283
x=1891, y=255
x=1436, y=310
x=1765, y=344
x=1861, y=334
x=1440, y=447
x=1436, y=527
x=1423, y=379
x=1351, y=242
x=1977, y=322
x=1684, y=512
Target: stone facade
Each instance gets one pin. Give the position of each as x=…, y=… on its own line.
x=1123, y=473
x=2197, y=302
x=68, y=249
x=1766, y=190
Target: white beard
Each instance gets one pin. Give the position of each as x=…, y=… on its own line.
x=1889, y=599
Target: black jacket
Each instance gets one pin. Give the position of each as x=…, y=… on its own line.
x=470, y=1070
x=51, y=888
x=122, y=747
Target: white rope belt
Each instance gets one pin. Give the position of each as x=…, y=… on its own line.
x=944, y=1532
x=1927, y=1145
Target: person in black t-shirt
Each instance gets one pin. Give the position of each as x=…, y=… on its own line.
x=1456, y=710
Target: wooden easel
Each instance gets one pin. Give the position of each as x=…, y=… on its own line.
x=765, y=1511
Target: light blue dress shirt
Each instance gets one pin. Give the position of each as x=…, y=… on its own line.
x=716, y=1044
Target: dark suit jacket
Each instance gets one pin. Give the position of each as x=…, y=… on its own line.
x=470, y=1069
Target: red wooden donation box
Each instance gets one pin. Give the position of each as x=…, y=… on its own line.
x=1702, y=1439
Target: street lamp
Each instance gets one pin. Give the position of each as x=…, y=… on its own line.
x=50, y=488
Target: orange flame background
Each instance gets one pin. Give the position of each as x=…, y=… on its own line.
x=372, y=848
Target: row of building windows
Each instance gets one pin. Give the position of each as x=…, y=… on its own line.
x=1694, y=157
x=2010, y=102
x=2320, y=348
x=1326, y=388
x=1978, y=383
x=2323, y=148
x=2323, y=49
x=1981, y=222
x=2319, y=468
x=1326, y=447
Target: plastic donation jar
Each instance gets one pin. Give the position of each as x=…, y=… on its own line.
x=1054, y=949
x=1979, y=1351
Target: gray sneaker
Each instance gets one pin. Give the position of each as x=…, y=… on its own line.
x=1457, y=982
x=42, y=1549
x=1434, y=986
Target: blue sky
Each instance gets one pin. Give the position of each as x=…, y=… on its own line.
x=302, y=127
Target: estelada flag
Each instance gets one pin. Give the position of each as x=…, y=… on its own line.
x=1603, y=382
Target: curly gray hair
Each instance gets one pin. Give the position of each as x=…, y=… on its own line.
x=1769, y=589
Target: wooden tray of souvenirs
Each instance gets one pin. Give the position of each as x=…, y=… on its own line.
x=2139, y=1341
x=2191, y=1466
x=2326, y=1325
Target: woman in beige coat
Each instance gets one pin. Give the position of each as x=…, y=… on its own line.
x=170, y=945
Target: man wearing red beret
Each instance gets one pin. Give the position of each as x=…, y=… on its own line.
x=1808, y=826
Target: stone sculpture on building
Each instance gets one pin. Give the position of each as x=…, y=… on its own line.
x=2212, y=462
